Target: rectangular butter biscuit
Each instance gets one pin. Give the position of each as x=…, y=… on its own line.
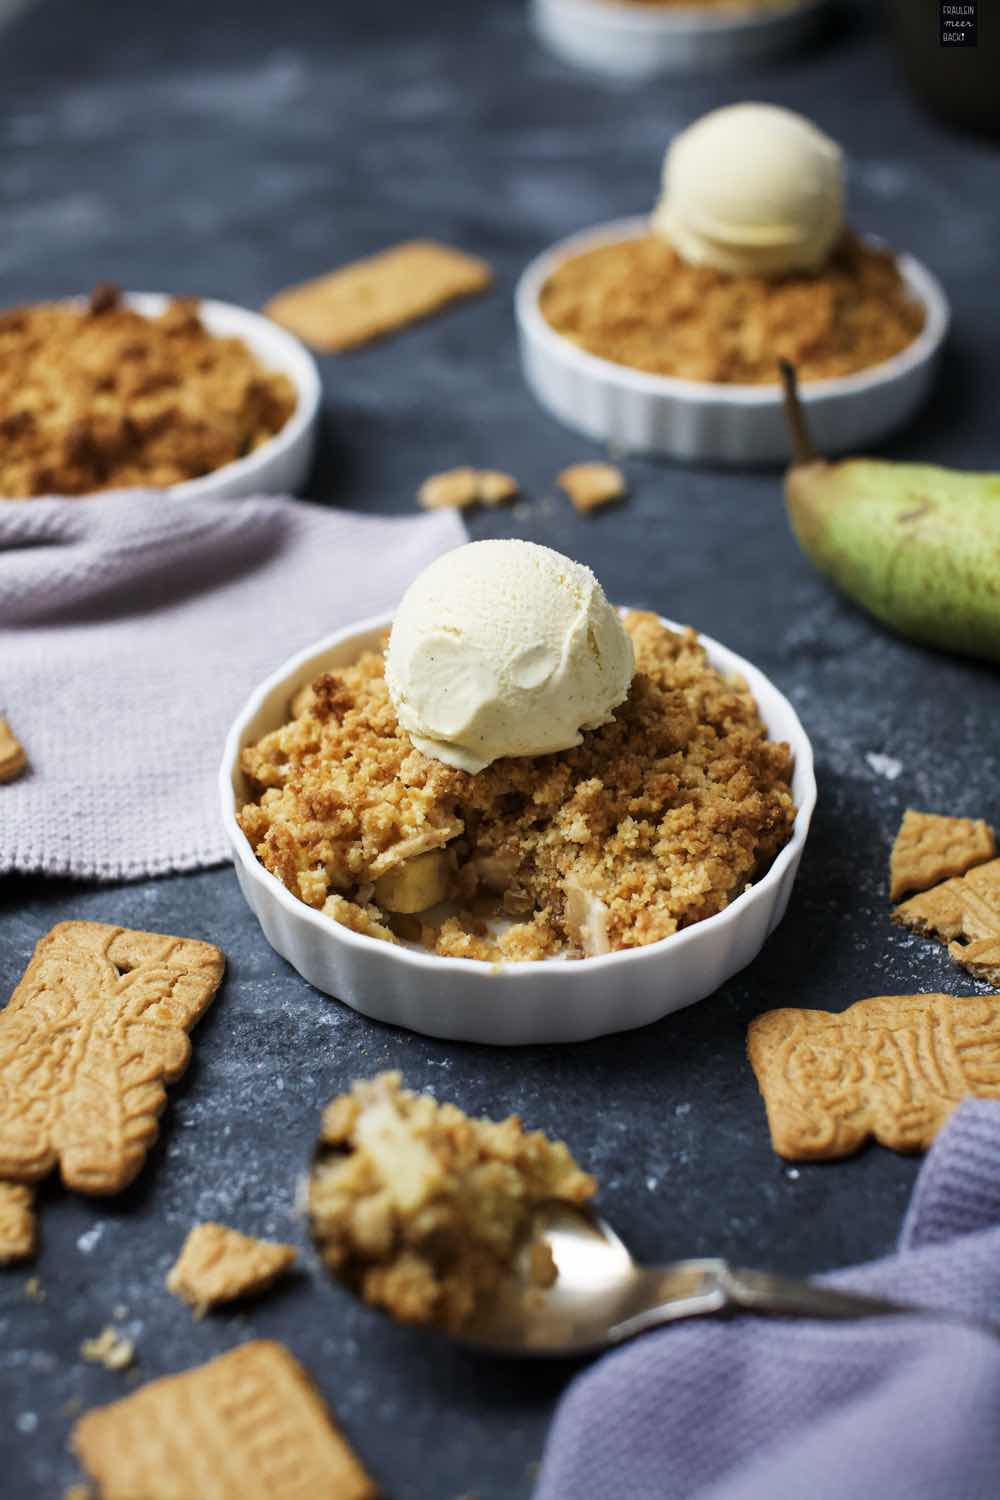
x=249, y=1425
x=370, y=298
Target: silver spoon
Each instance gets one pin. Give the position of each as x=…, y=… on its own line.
x=601, y=1297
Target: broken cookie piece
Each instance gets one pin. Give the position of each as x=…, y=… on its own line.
x=930, y=848
x=965, y=914
x=17, y=1222
x=592, y=485
x=422, y=1210
x=249, y=1425
x=457, y=488
x=218, y=1264
x=892, y=1067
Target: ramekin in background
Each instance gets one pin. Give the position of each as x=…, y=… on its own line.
x=517, y=1003
x=636, y=41
x=713, y=423
x=279, y=466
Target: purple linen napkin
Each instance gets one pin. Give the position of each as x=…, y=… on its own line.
x=757, y=1409
x=133, y=627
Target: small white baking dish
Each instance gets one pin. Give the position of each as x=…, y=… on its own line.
x=700, y=422
x=633, y=41
x=279, y=466
x=517, y=1003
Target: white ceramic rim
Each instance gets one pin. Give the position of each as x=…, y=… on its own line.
x=720, y=656
x=681, y=20
x=277, y=350
x=921, y=283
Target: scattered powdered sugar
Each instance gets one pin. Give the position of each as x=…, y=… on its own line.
x=88, y=1241
x=884, y=765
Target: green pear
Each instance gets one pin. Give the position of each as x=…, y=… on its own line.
x=916, y=545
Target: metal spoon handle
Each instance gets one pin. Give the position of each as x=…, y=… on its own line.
x=763, y=1292
x=694, y=1289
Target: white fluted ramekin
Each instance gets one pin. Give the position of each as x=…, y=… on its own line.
x=634, y=41
x=516, y=1003
x=697, y=421
x=279, y=466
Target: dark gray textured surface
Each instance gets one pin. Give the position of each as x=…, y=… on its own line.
x=228, y=149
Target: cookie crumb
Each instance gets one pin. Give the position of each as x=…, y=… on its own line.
x=109, y=1348
x=590, y=486
x=13, y=756
x=34, y=1291
x=495, y=486
x=17, y=1222
x=454, y=489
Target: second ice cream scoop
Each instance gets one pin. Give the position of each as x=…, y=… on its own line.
x=752, y=189
x=505, y=648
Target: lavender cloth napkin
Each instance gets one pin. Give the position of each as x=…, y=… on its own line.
x=133, y=627
x=782, y=1410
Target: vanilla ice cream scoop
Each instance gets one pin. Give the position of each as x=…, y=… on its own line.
x=752, y=189
x=505, y=648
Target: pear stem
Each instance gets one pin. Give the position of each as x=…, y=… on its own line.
x=804, y=450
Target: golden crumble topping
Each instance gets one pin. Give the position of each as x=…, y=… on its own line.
x=658, y=819
x=637, y=303
x=422, y=1209
x=103, y=398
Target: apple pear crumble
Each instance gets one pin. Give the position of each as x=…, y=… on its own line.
x=638, y=303
x=422, y=1210
x=100, y=397
x=660, y=818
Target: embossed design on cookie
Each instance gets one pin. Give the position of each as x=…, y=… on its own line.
x=892, y=1067
x=90, y=1037
x=249, y=1425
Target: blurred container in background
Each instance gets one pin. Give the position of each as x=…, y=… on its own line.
x=644, y=40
